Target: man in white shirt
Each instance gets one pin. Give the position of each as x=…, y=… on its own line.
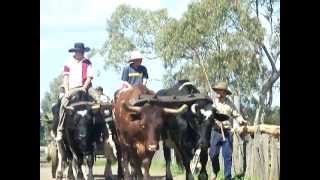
x=77, y=76
x=224, y=106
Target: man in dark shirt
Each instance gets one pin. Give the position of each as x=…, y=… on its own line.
x=134, y=73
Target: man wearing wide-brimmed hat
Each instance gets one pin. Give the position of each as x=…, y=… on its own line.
x=103, y=98
x=77, y=76
x=224, y=106
x=134, y=73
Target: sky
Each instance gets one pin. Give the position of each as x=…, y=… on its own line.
x=62, y=23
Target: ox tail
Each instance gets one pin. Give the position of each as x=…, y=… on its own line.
x=179, y=160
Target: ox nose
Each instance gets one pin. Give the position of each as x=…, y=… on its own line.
x=152, y=148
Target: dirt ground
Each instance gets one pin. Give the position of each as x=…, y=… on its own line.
x=45, y=173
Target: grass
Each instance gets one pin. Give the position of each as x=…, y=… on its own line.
x=158, y=165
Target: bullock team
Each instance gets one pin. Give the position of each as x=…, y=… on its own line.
x=137, y=119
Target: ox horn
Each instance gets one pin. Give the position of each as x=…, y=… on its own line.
x=132, y=108
x=182, y=109
x=71, y=107
x=193, y=108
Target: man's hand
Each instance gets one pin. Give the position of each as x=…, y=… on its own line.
x=67, y=94
x=83, y=89
x=243, y=122
x=219, y=123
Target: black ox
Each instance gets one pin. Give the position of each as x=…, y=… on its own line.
x=83, y=125
x=188, y=131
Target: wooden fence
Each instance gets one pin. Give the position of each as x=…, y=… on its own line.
x=256, y=152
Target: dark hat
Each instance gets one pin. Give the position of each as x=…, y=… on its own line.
x=222, y=86
x=79, y=47
x=99, y=88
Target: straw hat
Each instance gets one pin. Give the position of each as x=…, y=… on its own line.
x=135, y=55
x=222, y=86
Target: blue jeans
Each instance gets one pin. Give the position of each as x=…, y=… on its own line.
x=216, y=143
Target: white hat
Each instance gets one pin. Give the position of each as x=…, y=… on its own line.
x=135, y=55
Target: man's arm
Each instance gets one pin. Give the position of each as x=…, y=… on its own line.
x=66, y=83
x=237, y=115
x=89, y=78
x=125, y=77
x=145, y=77
x=87, y=83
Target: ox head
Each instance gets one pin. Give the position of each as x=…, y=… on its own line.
x=80, y=120
x=206, y=115
x=152, y=120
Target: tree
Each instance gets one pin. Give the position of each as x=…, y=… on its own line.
x=51, y=96
x=128, y=29
x=212, y=41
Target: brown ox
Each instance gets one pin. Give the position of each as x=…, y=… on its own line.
x=138, y=130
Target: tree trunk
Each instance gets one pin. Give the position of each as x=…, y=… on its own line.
x=236, y=101
x=257, y=116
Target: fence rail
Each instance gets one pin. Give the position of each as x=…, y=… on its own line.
x=256, y=154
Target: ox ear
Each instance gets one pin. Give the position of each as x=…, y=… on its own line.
x=221, y=117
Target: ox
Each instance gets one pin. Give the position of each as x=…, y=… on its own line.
x=138, y=129
x=81, y=130
x=188, y=131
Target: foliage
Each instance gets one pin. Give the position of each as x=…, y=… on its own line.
x=223, y=38
x=128, y=29
x=51, y=96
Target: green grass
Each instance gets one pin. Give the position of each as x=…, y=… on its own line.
x=160, y=165
x=100, y=162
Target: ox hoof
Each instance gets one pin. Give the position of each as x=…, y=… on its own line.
x=190, y=177
x=108, y=178
x=169, y=178
x=59, y=175
x=203, y=176
x=90, y=178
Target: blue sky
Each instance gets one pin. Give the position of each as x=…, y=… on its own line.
x=66, y=22
x=62, y=23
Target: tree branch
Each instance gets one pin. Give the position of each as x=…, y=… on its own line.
x=257, y=8
x=274, y=69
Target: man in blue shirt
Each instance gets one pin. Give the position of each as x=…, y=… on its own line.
x=134, y=73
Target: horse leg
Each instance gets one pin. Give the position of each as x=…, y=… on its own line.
x=203, y=160
x=167, y=157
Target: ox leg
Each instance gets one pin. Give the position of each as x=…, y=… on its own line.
x=167, y=157
x=77, y=164
x=70, y=172
x=119, y=159
x=146, y=165
x=108, y=170
x=203, y=160
x=125, y=164
x=90, y=161
x=136, y=173
x=61, y=162
x=109, y=150
x=186, y=163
